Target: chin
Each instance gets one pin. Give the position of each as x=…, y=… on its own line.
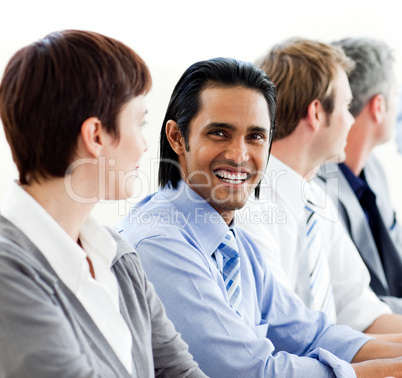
x=125, y=195
x=119, y=195
x=233, y=205
x=342, y=157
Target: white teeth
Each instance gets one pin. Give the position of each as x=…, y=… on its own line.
x=232, y=181
x=232, y=178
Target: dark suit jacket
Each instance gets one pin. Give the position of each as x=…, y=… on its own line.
x=386, y=278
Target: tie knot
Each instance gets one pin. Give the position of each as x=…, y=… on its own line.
x=228, y=247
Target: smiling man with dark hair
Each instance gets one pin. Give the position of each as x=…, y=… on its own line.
x=221, y=296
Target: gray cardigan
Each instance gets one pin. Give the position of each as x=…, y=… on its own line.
x=46, y=332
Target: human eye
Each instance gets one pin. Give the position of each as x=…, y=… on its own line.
x=217, y=133
x=143, y=124
x=257, y=137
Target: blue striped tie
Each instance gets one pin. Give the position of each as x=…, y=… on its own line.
x=231, y=271
x=321, y=294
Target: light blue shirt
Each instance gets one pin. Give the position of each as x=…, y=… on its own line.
x=176, y=233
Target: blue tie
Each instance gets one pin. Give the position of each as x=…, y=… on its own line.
x=321, y=294
x=231, y=271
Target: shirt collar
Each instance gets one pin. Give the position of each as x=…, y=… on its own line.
x=358, y=184
x=55, y=244
x=208, y=224
x=291, y=187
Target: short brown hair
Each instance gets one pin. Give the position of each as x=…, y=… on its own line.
x=302, y=71
x=52, y=86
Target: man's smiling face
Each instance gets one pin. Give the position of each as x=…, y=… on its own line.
x=227, y=147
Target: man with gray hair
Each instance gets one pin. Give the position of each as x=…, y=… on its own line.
x=362, y=193
x=293, y=223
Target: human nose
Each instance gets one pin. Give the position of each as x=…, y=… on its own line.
x=237, y=151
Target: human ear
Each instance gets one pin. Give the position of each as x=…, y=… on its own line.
x=174, y=137
x=377, y=108
x=315, y=115
x=92, y=135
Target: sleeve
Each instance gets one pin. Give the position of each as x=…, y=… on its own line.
x=357, y=305
x=170, y=354
x=36, y=338
x=394, y=303
x=219, y=340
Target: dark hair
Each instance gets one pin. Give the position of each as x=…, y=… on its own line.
x=373, y=73
x=303, y=71
x=52, y=86
x=184, y=104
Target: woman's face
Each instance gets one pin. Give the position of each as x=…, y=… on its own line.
x=122, y=156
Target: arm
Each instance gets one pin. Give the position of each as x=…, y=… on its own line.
x=379, y=368
x=195, y=301
x=36, y=338
x=388, y=323
x=166, y=343
x=169, y=352
x=376, y=349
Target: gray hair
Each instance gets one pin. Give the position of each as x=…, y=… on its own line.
x=373, y=73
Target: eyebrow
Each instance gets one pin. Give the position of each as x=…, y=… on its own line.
x=229, y=126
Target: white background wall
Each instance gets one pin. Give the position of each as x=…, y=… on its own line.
x=172, y=34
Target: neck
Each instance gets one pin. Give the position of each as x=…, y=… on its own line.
x=359, y=146
x=227, y=216
x=296, y=156
x=67, y=212
x=355, y=161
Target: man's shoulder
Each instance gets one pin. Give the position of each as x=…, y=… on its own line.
x=161, y=224
x=153, y=215
x=374, y=171
x=373, y=162
x=178, y=214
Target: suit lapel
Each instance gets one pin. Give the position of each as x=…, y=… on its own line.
x=359, y=229
x=85, y=329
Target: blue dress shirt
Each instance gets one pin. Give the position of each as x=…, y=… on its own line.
x=176, y=233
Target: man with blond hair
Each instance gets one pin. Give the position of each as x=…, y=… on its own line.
x=303, y=241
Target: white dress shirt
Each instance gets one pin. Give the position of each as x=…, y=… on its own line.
x=98, y=296
x=277, y=224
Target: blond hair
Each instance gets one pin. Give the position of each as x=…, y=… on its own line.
x=302, y=71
